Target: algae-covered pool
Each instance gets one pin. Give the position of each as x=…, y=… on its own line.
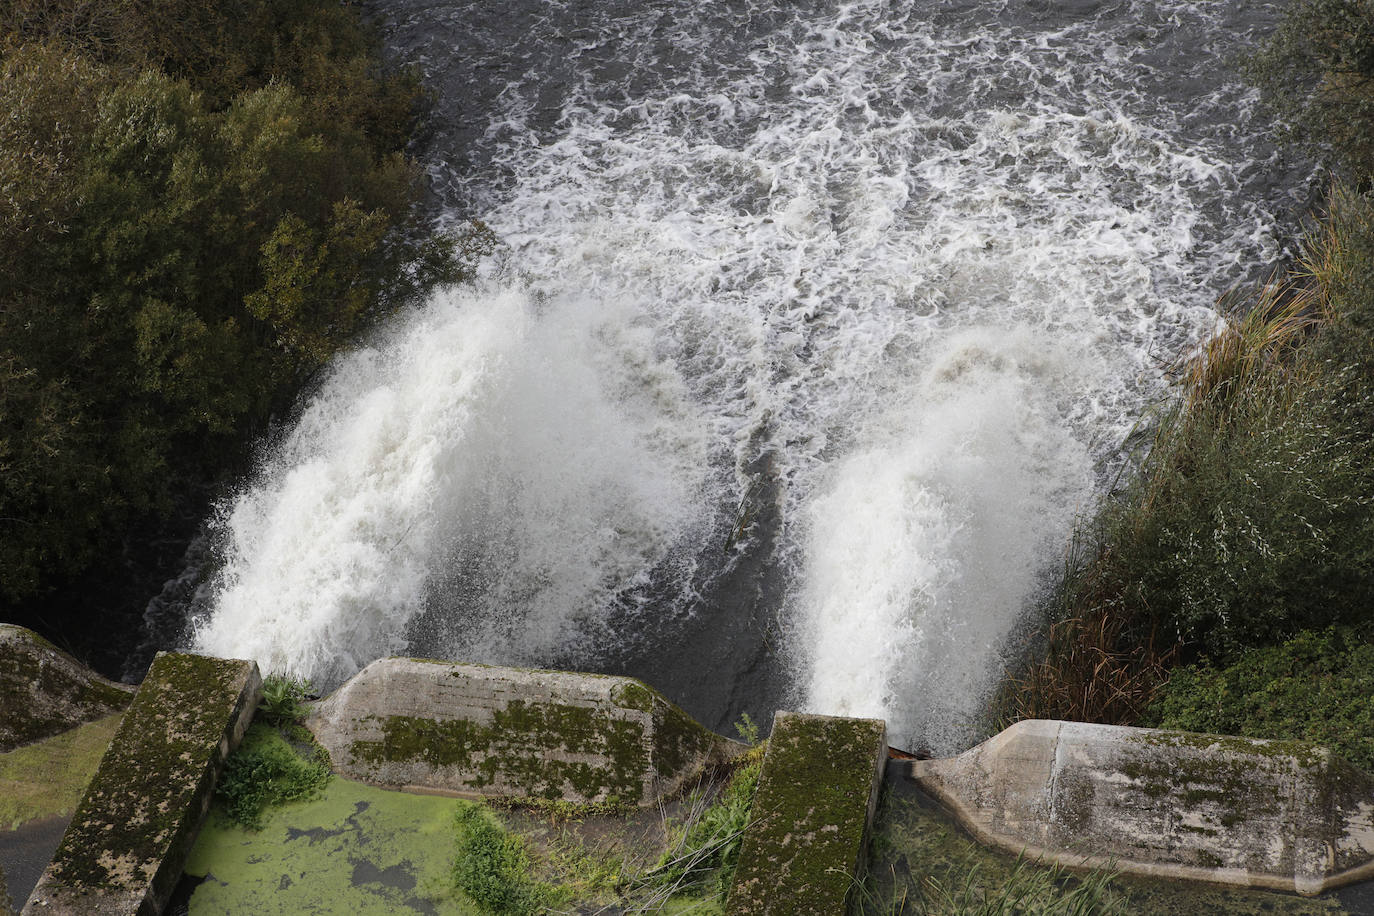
x=358, y=849
x=354, y=849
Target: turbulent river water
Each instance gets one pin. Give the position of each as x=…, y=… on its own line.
x=813, y=326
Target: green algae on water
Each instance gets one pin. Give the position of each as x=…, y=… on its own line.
x=354, y=849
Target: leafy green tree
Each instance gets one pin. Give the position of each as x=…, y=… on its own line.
x=202, y=202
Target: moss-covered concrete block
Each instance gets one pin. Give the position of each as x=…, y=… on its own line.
x=129, y=838
x=1276, y=814
x=44, y=691
x=804, y=847
x=512, y=732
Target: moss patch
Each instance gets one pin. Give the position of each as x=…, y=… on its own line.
x=545, y=749
x=810, y=815
x=46, y=779
x=44, y=691
x=514, y=750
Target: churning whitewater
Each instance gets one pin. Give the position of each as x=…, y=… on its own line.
x=856, y=303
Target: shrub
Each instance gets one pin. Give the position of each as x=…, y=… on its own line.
x=492, y=867
x=203, y=202
x=1318, y=73
x=1313, y=687
x=267, y=771
x=1251, y=518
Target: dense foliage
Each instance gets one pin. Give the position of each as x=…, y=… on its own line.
x=1248, y=528
x=492, y=866
x=1317, y=71
x=202, y=202
x=1314, y=687
x=267, y=771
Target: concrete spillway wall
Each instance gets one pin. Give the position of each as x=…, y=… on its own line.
x=1276, y=814
x=124, y=851
x=513, y=732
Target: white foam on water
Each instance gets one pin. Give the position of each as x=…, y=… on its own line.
x=930, y=266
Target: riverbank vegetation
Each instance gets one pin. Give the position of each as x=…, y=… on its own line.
x=1228, y=584
x=202, y=202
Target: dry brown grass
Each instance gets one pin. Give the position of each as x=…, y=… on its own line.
x=1267, y=328
x=1090, y=672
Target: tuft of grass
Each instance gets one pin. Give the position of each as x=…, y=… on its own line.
x=493, y=867
x=1028, y=890
x=283, y=699
x=701, y=857
x=1089, y=671
x=558, y=810
x=266, y=771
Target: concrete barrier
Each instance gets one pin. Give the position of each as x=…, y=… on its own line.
x=128, y=840
x=1275, y=814
x=44, y=691
x=803, y=850
x=512, y=732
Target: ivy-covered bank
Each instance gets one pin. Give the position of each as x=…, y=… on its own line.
x=1228, y=584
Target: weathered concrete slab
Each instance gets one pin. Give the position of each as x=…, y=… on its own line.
x=512, y=732
x=1276, y=814
x=44, y=691
x=804, y=847
x=128, y=840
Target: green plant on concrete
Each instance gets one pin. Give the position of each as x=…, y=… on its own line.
x=702, y=856
x=1313, y=687
x=283, y=699
x=493, y=867
x=266, y=771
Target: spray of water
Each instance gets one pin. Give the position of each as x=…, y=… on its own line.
x=924, y=259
